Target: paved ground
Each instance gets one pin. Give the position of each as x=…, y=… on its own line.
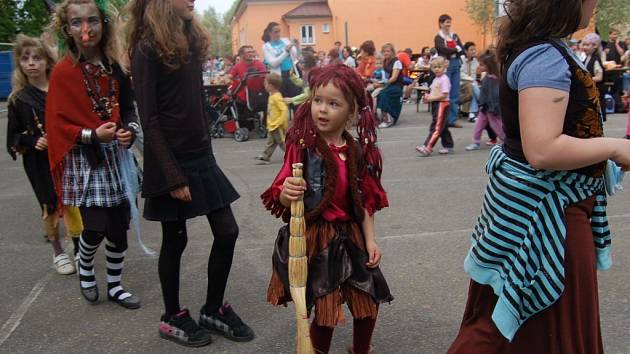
x=424, y=236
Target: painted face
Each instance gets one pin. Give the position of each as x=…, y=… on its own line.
x=33, y=64
x=85, y=25
x=438, y=68
x=446, y=26
x=185, y=9
x=588, y=7
x=330, y=111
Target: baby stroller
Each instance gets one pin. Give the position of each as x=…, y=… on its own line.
x=238, y=113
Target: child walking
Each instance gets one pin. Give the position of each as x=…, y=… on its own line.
x=277, y=118
x=26, y=135
x=489, y=104
x=439, y=100
x=341, y=195
x=168, y=45
x=91, y=123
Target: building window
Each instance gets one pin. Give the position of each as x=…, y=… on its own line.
x=308, y=35
x=326, y=28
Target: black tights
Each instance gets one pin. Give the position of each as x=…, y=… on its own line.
x=174, y=239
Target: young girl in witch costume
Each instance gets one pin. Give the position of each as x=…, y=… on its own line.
x=182, y=178
x=91, y=123
x=543, y=231
x=26, y=135
x=341, y=195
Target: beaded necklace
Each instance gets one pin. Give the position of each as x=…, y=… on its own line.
x=103, y=106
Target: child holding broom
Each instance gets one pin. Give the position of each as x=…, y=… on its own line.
x=341, y=195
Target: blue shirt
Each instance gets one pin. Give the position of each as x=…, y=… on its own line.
x=278, y=47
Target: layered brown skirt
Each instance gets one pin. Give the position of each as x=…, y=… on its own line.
x=569, y=326
x=337, y=273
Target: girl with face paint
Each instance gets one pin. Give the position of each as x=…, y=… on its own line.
x=91, y=124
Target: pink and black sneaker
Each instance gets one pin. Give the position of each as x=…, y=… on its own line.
x=182, y=329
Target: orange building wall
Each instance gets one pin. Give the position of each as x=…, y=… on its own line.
x=254, y=20
x=404, y=23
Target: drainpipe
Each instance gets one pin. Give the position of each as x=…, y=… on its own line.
x=346, y=32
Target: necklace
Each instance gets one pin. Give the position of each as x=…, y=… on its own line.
x=103, y=106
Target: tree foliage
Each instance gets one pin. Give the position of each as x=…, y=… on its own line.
x=612, y=13
x=221, y=34
x=482, y=13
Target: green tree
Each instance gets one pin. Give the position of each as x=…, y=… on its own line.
x=612, y=13
x=482, y=13
x=33, y=17
x=8, y=27
x=221, y=34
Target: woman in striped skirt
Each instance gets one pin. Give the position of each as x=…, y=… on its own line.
x=542, y=233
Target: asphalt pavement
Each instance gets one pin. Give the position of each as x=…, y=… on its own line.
x=424, y=236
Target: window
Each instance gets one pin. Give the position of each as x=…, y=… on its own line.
x=308, y=36
x=325, y=28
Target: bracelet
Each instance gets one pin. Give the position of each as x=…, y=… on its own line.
x=86, y=136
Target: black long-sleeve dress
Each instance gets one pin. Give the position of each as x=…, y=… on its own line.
x=26, y=124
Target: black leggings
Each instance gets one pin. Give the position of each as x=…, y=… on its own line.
x=174, y=239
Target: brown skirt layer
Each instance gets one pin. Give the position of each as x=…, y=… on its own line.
x=337, y=274
x=569, y=326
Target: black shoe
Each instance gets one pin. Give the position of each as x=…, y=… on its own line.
x=90, y=294
x=182, y=329
x=226, y=323
x=132, y=302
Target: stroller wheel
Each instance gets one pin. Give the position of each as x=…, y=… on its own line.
x=218, y=132
x=262, y=131
x=241, y=134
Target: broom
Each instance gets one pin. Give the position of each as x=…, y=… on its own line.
x=298, y=269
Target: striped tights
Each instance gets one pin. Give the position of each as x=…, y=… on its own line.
x=115, y=248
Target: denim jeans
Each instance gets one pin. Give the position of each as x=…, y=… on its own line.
x=474, y=102
x=454, y=75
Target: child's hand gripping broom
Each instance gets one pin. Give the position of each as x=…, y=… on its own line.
x=298, y=269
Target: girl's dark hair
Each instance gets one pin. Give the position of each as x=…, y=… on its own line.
x=368, y=47
x=349, y=50
x=444, y=18
x=489, y=59
x=266, y=37
x=528, y=21
x=467, y=45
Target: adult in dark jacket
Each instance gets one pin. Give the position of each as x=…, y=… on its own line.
x=449, y=45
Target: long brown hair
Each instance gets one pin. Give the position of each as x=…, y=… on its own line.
x=528, y=21
x=388, y=61
x=489, y=59
x=174, y=39
x=109, y=42
x=23, y=43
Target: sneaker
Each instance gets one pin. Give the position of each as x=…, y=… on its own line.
x=226, y=322
x=472, y=117
x=423, y=151
x=455, y=125
x=63, y=265
x=446, y=151
x=473, y=146
x=491, y=142
x=263, y=161
x=386, y=124
x=182, y=329
x=259, y=157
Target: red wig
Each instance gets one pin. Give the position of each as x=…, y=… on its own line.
x=304, y=134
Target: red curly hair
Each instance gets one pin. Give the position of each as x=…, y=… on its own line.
x=304, y=134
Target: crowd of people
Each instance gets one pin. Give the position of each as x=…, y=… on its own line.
x=541, y=235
